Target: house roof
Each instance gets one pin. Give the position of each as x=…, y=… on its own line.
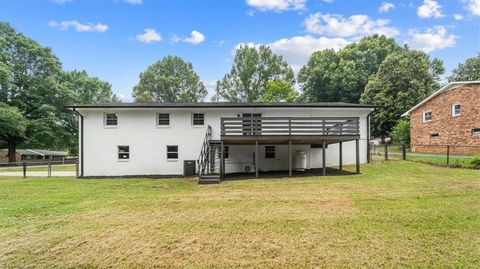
x=41, y=152
x=449, y=86
x=222, y=105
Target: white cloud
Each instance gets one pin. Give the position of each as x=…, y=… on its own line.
x=175, y=38
x=277, y=5
x=328, y=1
x=195, y=38
x=356, y=25
x=149, y=35
x=133, y=2
x=458, y=17
x=79, y=27
x=432, y=39
x=430, y=9
x=298, y=49
x=473, y=6
x=386, y=7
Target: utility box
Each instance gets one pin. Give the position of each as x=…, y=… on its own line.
x=189, y=168
x=300, y=161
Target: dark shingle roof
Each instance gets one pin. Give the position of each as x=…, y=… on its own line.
x=220, y=105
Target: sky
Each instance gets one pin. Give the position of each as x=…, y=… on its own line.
x=116, y=40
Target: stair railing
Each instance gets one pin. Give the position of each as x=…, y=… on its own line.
x=202, y=158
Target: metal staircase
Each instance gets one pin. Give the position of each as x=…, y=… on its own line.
x=209, y=161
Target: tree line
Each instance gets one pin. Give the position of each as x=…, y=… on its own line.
x=34, y=89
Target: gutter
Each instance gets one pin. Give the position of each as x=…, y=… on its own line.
x=81, y=140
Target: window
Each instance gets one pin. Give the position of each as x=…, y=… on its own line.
x=172, y=152
x=434, y=136
x=163, y=119
x=456, y=110
x=226, y=152
x=123, y=152
x=269, y=152
x=318, y=146
x=111, y=119
x=427, y=116
x=198, y=118
x=476, y=131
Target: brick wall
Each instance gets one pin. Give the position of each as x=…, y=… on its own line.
x=452, y=130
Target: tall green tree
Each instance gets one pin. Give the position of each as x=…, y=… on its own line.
x=252, y=69
x=404, y=79
x=331, y=76
x=171, y=79
x=12, y=128
x=88, y=90
x=470, y=70
x=278, y=91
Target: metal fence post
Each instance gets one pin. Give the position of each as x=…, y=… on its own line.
x=404, y=152
x=77, y=166
x=386, y=152
x=24, y=164
x=49, y=169
x=448, y=155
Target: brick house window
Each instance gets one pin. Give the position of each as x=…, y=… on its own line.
x=427, y=116
x=434, y=136
x=456, y=110
x=476, y=131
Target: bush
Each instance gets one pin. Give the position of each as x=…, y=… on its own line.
x=401, y=132
x=476, y=161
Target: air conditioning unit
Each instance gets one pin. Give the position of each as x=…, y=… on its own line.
x=249, y=168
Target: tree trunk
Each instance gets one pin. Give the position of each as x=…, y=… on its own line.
x=12, y=150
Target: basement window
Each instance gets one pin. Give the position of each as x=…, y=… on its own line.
x=110, y=119
x=198, y=119
x=172, y=152
x=427, y=116
x=226, y=152
x=123, y=153
x=163, y=119
x=456, y=110
x=434, y=136
x=269, y=152
x=476, y=131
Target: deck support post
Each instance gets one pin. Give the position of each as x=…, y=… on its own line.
x=222, y=161
x=289, y=158
x=256, y=158
x=324, y=161
x=357, y=156
x=340, y=161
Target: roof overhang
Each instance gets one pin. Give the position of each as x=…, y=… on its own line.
x=449, y=86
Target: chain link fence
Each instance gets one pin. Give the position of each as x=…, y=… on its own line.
x=456, y=156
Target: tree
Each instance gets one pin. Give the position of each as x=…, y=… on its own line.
x=278, y=91
x=470, y=70
x=404, y=79
x=401, y=132
x=12, y=128
x=252, y=69
x=88, y=90
x=331, y=76
x=169, y=80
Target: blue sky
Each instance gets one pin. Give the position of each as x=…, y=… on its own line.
x=115, y=40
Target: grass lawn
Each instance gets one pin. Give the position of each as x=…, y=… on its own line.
x=398, y=214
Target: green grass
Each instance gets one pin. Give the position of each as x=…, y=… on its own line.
x=397, y=214
x=66, y=167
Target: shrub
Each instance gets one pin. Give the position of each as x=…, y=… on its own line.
x=401, y=132
x=476, y=161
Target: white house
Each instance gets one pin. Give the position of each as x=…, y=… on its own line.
x=216, y=139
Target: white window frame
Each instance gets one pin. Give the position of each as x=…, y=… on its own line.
x=453, y=110
x=172, y=159
x=118, y=153
x=105, y=120
x=476, y=131
x=198, y=125
x=157, y=118
x=425, y=113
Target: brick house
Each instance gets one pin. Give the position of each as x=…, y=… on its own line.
x=450, y=116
